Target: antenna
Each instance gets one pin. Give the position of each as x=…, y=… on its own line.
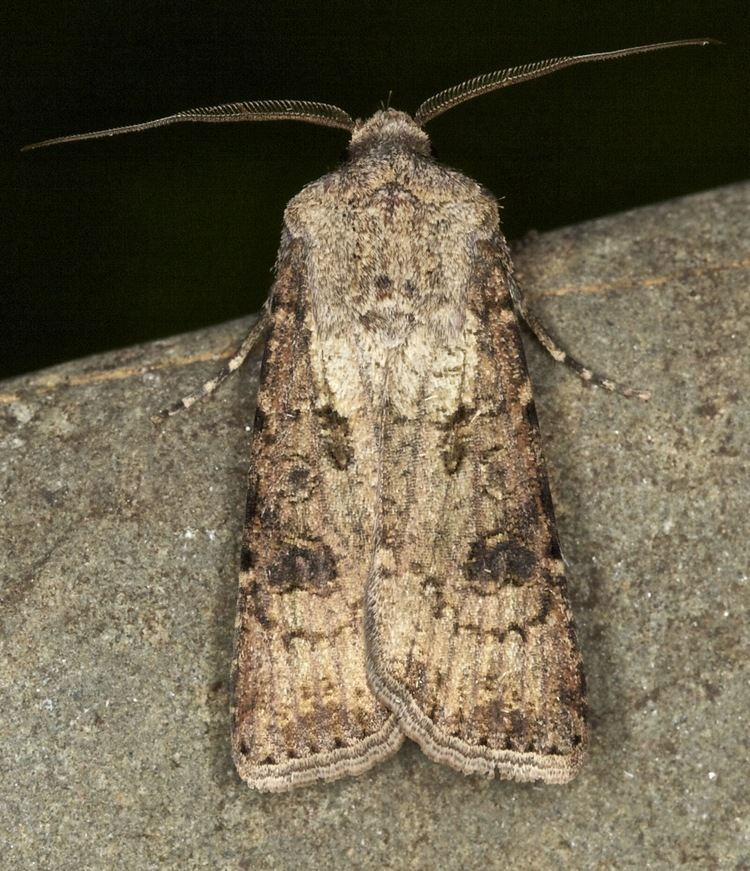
x=260, y=110
x=479, y=85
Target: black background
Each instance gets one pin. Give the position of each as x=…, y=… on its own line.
x=114, y=242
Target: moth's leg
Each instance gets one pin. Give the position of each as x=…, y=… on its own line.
x=561, y=355
x=237, y=359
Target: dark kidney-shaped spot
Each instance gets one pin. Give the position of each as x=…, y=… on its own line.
x=504, y=562
x=334, y=430
x=303, y=568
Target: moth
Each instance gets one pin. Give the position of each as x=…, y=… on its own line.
x=400, y=569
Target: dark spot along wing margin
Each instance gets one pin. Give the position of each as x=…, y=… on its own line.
x=479, y=660
x=302, y=710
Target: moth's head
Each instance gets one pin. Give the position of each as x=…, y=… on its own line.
x=388, y=130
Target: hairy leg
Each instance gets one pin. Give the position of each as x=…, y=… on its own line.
x=561, y=355
x=254, y=336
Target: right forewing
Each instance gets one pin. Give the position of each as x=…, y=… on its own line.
x=469, y=628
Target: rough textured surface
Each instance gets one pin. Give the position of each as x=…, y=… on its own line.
x=120, y=550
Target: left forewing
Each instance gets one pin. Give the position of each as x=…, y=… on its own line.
x=302, y=708
x=469, y=631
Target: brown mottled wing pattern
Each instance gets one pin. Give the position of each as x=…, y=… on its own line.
x=302, y=709
x=469, y=628
x=401, y=572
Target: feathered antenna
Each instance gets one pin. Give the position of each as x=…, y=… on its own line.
x=259, y=110
x=475, y=87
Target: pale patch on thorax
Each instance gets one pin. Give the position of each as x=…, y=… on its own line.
x=390, y=255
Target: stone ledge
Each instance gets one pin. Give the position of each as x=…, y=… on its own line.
x=120, y=547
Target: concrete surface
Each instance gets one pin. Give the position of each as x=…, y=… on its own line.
x=120, y=549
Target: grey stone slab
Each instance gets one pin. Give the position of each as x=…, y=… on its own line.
x=119, y=554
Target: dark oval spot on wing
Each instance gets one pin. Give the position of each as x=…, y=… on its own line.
x=334, y=428
x=298, y=477
x=505, y=562
x=303, y=568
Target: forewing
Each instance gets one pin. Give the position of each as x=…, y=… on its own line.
x=302, y=708
x=470, y=634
